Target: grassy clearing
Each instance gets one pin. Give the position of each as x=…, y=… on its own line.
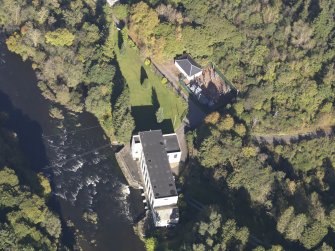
x=130, y=64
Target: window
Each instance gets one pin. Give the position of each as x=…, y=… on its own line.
x=175, y=156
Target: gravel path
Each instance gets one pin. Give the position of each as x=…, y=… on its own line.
x=292, y=138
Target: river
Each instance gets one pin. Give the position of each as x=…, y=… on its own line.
x=77, y=158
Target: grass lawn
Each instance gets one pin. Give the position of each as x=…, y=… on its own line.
x=130, y=64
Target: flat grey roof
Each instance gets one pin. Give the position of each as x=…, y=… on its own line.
x=188, y=65
x=171, y=143
x=155, y=155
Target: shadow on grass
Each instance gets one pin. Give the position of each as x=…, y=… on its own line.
x=154, y=99
x=120, y=40
x=143, y=75
x=145, y=119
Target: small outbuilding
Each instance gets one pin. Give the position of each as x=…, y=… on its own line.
x=112, y=2
x=188, y=67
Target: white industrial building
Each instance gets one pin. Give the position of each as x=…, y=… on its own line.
x=156, y=153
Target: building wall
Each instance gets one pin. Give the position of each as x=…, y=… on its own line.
x=185, y=74
x=182, y=71
x=168, y=201
x=174, y=157
x=136, y=150
x=198, y=74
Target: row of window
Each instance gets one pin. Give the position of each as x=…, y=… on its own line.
x=146, y=179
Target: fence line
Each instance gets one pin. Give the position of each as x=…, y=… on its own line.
x=177, y=90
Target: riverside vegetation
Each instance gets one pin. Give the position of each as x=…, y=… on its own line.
x=73, y=58
x=26, y=222
x=279, y=54
x=71, y=45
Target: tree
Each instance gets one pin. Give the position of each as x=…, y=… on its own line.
x=60, y=37
x=332, y=219
x=226, y=123
x=212, y=118
x=15, y=44
x=8, y=239
x=313, y=234
x=102, y=73
x=123, y=121
x=98, y=101
x=301, y=35
x=121, y=11
x=216, y=233
x=45, y=183
x=249, y=151
x=285, y=219
x=296, y=227
x=240, y=129
x=56, y=113
x=27, y=216
x=52, y=224
x=143, y=16
x=150, y=244
x=160, y=115
x=8, y=178
x=325, y=247
x=239, y=109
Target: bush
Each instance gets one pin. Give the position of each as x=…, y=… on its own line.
x=147, y=62
x=131, y=43
x=56, y=113
x=164, y=81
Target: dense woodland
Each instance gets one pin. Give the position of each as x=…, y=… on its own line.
x=274, y=197
x=279, y=54
x=26, y=222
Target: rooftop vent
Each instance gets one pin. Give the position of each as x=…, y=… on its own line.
x=172, y=192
